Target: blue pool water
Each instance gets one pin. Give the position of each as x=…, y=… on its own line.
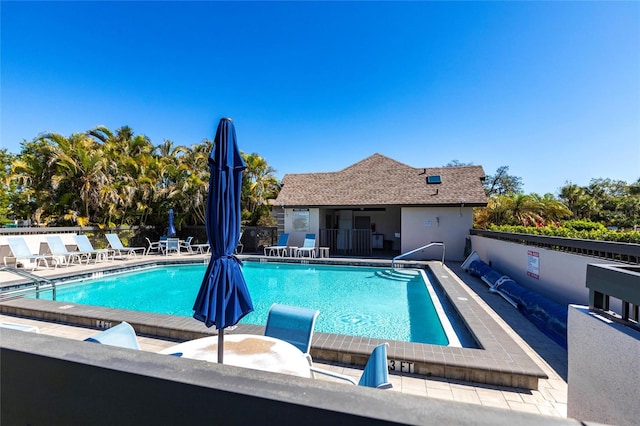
x=357, y=301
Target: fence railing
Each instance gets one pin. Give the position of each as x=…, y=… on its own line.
x=609, y=250
x=618, y=282
x=38, y=284
x=348, y=242
x=409, y=253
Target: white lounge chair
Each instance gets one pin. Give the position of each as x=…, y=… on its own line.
x=22, y=254
x=201, y=248
x=60, y=252
x=84, y=245
x=156, y=246
x=240, y=246
x=20, y=327
x=309, y=246
x=120, y=249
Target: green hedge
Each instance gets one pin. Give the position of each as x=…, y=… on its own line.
x=582, y=230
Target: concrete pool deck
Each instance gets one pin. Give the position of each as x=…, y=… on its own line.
x=507, y=355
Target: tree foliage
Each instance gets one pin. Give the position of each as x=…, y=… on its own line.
x=605, y=209
x=502, y=183
x=109, y=178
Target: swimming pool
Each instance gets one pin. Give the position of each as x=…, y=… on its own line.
x=357, y=301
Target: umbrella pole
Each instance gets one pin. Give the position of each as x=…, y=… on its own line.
x=220, y=345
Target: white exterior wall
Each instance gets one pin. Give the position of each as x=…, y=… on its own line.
x=37, y=243
x=296, y=238
x=423, y=225
x=603, y=369
x=562, y=276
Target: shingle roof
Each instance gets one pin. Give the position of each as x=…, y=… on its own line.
x=379, y=181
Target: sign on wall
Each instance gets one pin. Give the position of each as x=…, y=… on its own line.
x=301, y=220
x=533, y=264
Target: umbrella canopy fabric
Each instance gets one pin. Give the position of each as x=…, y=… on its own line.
x=223, y=298
x=172, y=229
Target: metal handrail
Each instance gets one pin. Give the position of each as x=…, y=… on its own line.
x=36, y=280
x=393, y=261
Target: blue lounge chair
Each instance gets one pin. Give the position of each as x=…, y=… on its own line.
x=121, y=335
x=22, y=254
x=375, y=374
x=280, y=249
x=120, y=249
x=60, y=252
x=85, y=246
x=309, y=246
x=292, y=324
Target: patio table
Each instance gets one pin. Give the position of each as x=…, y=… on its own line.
x=248, y=351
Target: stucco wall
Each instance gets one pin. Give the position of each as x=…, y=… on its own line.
x=604, y=369
x=562, y=277
x=422, y=225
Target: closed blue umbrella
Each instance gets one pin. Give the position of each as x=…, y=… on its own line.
x=172, y=229
x=223, y=298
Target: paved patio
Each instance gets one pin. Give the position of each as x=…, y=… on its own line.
x=549, y=399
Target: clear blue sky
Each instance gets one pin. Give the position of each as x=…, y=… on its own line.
x=550, y=89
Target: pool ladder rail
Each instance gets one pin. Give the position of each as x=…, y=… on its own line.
x=38, y=284
x=431, y=244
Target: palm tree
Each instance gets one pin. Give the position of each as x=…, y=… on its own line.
x=132, y=180
x=552, y=210
x=31, y=173
x=194, y=185
x=258, y=186
x=79, y=165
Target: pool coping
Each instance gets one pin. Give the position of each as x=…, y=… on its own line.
x=501, y=361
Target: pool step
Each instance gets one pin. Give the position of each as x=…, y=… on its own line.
x=399, y=275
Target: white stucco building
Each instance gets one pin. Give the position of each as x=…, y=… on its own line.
x=382, y=204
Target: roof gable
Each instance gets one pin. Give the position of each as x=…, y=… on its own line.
x=379, y=180
x=375, y=162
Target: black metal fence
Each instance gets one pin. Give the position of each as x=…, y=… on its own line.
x=254, y=238
x=347, y=242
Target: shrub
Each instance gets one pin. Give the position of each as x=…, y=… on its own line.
x=580, y=229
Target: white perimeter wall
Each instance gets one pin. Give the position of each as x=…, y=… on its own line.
x=37, y=243
x=423, y=225
x=562, y=276
x=604, y=370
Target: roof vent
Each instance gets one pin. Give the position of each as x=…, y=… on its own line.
x=433, y=179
